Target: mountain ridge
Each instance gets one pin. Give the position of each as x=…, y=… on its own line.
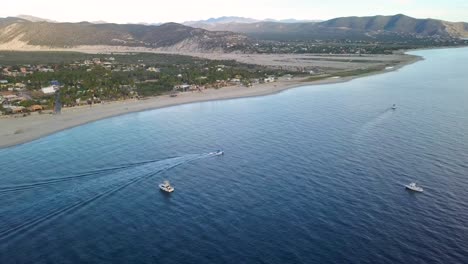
x=345, y=26
x=223, y=37
x=65, y=35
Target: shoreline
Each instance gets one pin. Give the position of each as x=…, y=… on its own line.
x=17, y=131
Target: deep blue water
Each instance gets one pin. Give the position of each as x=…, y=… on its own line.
x=310, y=175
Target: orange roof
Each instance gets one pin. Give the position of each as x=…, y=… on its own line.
x=35, y=108
x=4, y=93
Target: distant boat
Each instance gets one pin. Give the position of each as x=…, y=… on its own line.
x=394, y=107
x=217, y=153
x=413, y=187
x=166, y=187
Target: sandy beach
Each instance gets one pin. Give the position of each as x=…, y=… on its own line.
x=17, y=130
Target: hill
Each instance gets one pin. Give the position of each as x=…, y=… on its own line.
x=169, y=36
x=398, y=23
x=233, y=34
x=366, y=28
x=35, y=19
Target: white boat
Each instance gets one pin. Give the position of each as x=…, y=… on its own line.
x=394, y=107
x=413, y=187
x=217, y=153
x=166, y=186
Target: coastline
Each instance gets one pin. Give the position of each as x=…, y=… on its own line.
x=15, y=131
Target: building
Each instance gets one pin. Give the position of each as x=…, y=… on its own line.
x=14, y=109
x=35, y=108
x=20, y=85
x=288, y=77
x=3, y=82
x=49, y=90
x=153, y=69
x=12, y=98
x=46, y=70
x=235, y=81
x=182, y=87
x=269, y=79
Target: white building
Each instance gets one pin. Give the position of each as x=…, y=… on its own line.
x=49, y=89
x=269, y=79
x=153, y=69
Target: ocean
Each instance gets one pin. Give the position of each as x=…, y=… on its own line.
x=314, y=174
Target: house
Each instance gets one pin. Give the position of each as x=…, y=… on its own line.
x=235, y=80
x=46, y=70
x=5, y=93
x=3, y=82
x=153, y=69
x=269, y=79
x=14, y=109
x=49, y=90
x=35, y=108
x=20, y=85
x=11, y=97
x=288, y=77
x=182, y=87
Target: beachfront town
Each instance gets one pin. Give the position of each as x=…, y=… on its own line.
x=38, y=88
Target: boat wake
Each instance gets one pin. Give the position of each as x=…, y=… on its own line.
x=76, y=195
x=93, y=173
x=367, y=135
x=371, y=125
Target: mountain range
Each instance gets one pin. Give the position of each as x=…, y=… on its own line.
x=240, y=20
x=17, y=32
x=372, y=27
x=35, y=19
x=221, y=34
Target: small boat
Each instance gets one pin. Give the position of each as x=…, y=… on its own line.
x=394, y=107
x=413, y=187
x=166, y=186
x=217, y=153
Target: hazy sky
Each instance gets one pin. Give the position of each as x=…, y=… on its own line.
x=150, y=11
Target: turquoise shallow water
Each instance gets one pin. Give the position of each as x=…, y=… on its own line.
x=310, y=175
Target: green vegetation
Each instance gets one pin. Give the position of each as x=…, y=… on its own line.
x=87, y=78
x=347, y=46
x=16, y=58
x=317, y=78
x=28, y=103
x=43, y=57
x=357, y=72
